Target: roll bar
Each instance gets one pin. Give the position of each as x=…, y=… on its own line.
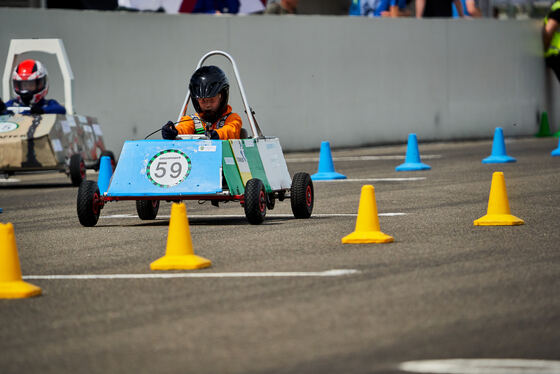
x=250, y=114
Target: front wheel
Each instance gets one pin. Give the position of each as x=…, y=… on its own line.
x=255, y=201
x=89, y=203
x=302, y=195
x=147, y=209
x=77, y=169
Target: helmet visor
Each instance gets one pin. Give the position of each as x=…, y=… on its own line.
x=31, y=86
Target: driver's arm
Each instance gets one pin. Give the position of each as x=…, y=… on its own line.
x=52, y=106
x=185, y=125
x=231, y=128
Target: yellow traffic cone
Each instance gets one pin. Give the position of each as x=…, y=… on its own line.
x=367, y=224
x=11, y=285
x=498, y=213
x=179, y=254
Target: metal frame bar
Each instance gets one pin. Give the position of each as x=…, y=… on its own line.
x=254, y=128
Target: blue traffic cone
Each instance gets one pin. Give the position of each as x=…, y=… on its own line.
x=556, y=152
x=412, y=158
x=326, y=166
x=498, y=155
x=105, y=174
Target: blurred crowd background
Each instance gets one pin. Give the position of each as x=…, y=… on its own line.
x=499, y=9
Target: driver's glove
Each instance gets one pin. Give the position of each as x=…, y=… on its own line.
x=2, y=106
x=168, y=131
x=36, y=109
x=214, y=135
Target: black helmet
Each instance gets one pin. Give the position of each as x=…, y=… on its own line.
x=209, y=81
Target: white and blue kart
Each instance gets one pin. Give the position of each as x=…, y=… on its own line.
x=252, y=171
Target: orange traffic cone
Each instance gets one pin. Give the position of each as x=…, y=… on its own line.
x=498, y=213
x=179, y=254
x=367, y=223
x=11, y=284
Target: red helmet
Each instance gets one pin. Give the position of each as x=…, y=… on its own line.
x=30, y=82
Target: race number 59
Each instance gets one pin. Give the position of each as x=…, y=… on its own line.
x=168, y=168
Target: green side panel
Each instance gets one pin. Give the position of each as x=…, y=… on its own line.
x=231, y=173
x=255, y=162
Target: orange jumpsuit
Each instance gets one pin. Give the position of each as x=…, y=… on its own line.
x=226, y=129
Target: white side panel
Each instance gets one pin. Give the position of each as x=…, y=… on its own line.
x=274, y=163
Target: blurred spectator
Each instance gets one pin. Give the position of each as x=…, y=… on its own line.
x=392, y=8
x=161, y=6
x=181, y=6
x=362, y=7
x=551, y=38
x=251, y=6
x=470, y=8
x=379, y=8
x=437, y=8
x=282, y=7
x=216, y=6
x=82, y=4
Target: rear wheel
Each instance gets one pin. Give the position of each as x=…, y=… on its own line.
x=89, y=203
x=147, y=209
x=302, y=195
x=77, y=169
x=255, y=201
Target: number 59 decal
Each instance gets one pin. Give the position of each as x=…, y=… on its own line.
x=168, y=168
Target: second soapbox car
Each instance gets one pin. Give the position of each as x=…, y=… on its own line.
x=68, y=143
x=252, y=171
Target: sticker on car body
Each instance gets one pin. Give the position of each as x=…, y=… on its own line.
x=168, y=168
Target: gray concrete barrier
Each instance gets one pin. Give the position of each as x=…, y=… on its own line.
x=352, y=81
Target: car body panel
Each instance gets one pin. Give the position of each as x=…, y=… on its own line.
x=47, y=141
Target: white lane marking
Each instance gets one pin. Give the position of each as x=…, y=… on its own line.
x=359, y=158
x=482, y=366
x=199, y=216
x=404, y=179
x=327, y=273
x=10, y=180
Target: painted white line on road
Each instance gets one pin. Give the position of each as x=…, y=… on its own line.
x=241, y=216
x=404, y=179
x=482, y=366
x=349, y=214
x=359, y=158
x=10, y=180
x=328, y=273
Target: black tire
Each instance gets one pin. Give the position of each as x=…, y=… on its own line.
x=302, y=195
x=77, y=169
x=89, y=203
x=147, y=209
x=255, y=201
x=111, y=156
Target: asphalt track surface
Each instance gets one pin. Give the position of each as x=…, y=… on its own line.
x=443, y=289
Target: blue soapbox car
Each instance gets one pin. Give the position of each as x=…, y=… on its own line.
x=251, y=170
